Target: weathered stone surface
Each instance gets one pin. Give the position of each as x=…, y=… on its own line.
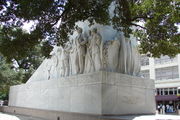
x=92, y=93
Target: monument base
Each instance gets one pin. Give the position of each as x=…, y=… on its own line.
x=100, y=93
x=59, y=115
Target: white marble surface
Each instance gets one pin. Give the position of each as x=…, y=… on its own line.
x=94, y=93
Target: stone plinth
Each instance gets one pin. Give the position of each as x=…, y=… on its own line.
x=102, y=93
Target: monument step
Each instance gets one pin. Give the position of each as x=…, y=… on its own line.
x=59, y=115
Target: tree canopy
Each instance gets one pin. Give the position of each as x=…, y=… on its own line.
x=54, y=19
x=8, y=77
x=18, y=71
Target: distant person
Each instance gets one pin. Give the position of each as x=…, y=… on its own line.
x=163, y=109
x=171, y=108
x=167, y=108
x=178, y=106
x=158, y=108
x=178, y=109
x=1, y=102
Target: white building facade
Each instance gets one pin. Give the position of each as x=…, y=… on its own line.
x=166, y=73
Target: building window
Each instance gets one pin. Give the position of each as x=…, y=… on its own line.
x=165, y=59
x=167, y=91
x=161, y=91
x=167, y=73
x=171, y=91
x=175, y=91
x=145, y=74
x=144, y=60
x=157, y=91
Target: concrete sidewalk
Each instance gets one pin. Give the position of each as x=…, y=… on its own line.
x=5, y=116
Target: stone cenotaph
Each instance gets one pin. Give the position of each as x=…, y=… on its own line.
x=96, y=72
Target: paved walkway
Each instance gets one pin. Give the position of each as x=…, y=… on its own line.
x=148, y=117
x=6, y=116
x=158, y=117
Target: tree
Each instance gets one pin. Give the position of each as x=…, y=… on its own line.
x=54, y=19
x=17, y=68
x=18, y=71
x=8, y=77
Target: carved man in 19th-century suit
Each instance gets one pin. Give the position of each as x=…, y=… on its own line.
x=95, y=46
x=81, y=51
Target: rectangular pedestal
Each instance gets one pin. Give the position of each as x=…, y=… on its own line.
x=94, y=93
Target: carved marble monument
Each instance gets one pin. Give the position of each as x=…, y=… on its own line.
x=95, y=72
x=90, y=54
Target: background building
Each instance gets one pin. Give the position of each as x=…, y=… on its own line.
x=166, y=73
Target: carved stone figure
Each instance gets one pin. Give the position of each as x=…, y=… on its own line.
x=90, y=53
x=129, y=60
x=122, y=55
x=113, y=55
x=128, y=56
x=74, y=63
x=65, y=59
x=52, y=65
x=59, y=58
x=95, y=46
x=80, y=45
x=135, y=59
x=89, y=65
